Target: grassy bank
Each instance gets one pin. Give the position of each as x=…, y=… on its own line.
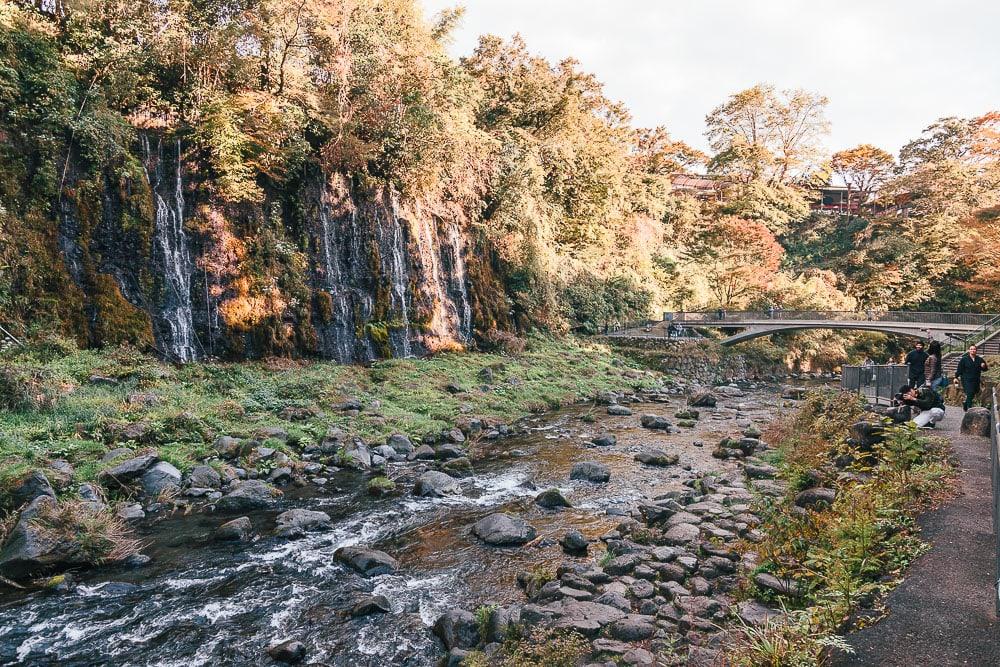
x=58, y=402
x=844, y=558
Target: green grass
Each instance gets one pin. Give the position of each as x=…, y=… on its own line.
x=187, y=407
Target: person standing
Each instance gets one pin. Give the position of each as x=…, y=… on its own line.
x=915, y=360
x=932, y=367
x=970, y=372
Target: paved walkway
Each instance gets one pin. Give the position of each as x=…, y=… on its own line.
x=943, y=613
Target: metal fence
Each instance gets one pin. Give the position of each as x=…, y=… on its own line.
x=735, y=317
x=879, y=383
x=995, y=477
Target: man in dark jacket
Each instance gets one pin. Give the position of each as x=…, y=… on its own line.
x=916, y=360
x=970, y=372
x=927, y=401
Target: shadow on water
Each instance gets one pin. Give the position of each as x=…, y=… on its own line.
x=204, y=603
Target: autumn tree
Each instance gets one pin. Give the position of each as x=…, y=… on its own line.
x=762, y=134
x=864, y=169
x=739, y=257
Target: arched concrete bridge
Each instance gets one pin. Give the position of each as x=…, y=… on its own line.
x=746, y=325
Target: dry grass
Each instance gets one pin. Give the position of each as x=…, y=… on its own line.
x=103, y=537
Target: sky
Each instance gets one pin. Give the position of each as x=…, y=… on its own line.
x=889, y=67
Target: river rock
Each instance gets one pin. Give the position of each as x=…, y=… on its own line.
x=793, y=393
x=574, y=543
x=501, y=529
x=616, y=410
x=126, y=472
x=204, y=477
x=290, y=652
x=816, y=497
x=369, y=562
x=435, y=484
x=449, y=451
x=297, y=522
x=457, y=628
x=357, y=454
x=702, y=399
x=774, y=584
x=590, y=471
x=29, y=487
x=401, y=443
x=976, y=422
x=605, y=440
x=681, y=533
x=250, y=494
x=759, y=471
x=374, y=604
x=586, y=618
x=160, y=478
x=30, y=549
x=755, y=614
x=130, y=512
x=655, y=422
x=656, y=457
x=227, y=447
x=867, y=434
x=422, y=453
x=632, y=628
x=551, y=499
x=237, y=530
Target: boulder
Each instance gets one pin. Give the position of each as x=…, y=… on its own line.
x=605, y=440
x=449, y=451
x=867, y=435
x=422, y=453
x=400, y=443
x=681, y=533
x=250, y=494
x=656, y=457
x=586, y=618
x=780, y=586
x=204, y=477
x=30, y=549
x=793, y=393
x=290, y=652
x=280, y=475
x=655, y=422
x=755, y=614
x=632, y=628
x=702, y=399
x=374, y=604
x=616, y=410
x=434, y=484
x=501, y=529
x=227, y=447
x=237, y=530
x=130, y=512
x=161, y=477
x=126, y=472
x=369, y=562
x=29, y=487
x=551, y=499
x=760, y=471
x=590, y=471
x=457, y=628
x=297, y=522
x=358, y=454
x=976, y=422
x=574, y=543
x=816, y=497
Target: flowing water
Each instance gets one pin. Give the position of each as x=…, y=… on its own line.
x=205, y=603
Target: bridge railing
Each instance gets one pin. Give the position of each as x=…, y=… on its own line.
x=995, y=478
x=716, y=317
x=879, y=382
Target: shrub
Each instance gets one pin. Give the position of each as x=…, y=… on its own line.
x=378, y=486
x=102, y=536
x=27, y=388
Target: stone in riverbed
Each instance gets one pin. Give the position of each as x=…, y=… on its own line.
x=632, y=628
x=780, y=586
x=976, y=422
x=680, y=534
x=237, y=530
x=401, y=443
x=760, y=471
x=656, y=457
x=297, y=522
x=551, y=499
x=204, y=477
x=574, y=543
x=160, y=478
x=369, y=562
x=586, y=618
x=616, y=410
x=755, y=614
x=123, y=474
x=290, y=652
x=500, y=529
x=250, y=494
x=435, y=484
x=375, y=604
x=605, y=440
x=590, y=471
x=31, y=550
x=29, y=487
x=655, y=422
x=457, y=628
x=702, y=399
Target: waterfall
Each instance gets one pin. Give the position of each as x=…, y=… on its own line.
x=335, y=285
x=171, y=250
x=396, y=272
x=456, y=285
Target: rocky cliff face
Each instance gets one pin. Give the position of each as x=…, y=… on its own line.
x=323, y=268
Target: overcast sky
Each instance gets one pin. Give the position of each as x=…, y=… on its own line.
x=889, y=67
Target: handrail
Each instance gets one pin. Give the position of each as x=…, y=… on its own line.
x=877, y=382
x=995, y=478
x=979, y=336
x=721, y=316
